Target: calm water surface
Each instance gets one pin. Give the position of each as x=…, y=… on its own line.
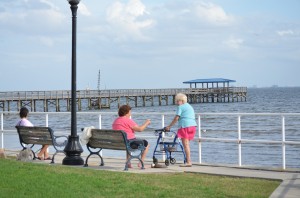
x=262, y=100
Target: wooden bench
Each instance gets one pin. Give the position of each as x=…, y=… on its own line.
x=115, y=140
x=41, y=136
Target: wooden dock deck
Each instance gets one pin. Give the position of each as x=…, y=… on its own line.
x=60, y=100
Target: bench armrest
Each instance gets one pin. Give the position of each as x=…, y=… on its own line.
x=140, y=147
x=60, y=141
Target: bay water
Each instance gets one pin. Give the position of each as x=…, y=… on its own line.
x=253, y=127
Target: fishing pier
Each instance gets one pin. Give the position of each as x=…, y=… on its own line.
x=94, y=99
x=60, y=100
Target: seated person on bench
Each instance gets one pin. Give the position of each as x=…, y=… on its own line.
x=25, y=122
x=126, y=124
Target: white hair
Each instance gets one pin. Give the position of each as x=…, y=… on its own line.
x=181, y=97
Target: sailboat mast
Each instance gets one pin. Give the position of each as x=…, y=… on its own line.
x=99, y=81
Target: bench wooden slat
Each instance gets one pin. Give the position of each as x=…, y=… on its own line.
x=107, y=134
x=107, y=139
x=107, y=145
x=36, y=137
x=34, y=140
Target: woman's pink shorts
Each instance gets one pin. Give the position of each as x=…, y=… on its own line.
x=187, y=133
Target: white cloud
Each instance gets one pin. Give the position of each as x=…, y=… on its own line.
x=135, y=8
x=48, y=2
x=285, y=33
x=213, y=14
x=83, y=9
x=32, y=17
x=234, y=43
x=53, y=17
x=127, y=20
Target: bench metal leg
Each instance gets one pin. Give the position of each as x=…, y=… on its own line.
x=127, y=163
x=87, y=159
x=143, y=167
x=56, y=152
x=92, y=152
x=34, y=156
x=52, y=160
x=129, y=160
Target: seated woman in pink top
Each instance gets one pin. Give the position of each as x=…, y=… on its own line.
x=126, y=124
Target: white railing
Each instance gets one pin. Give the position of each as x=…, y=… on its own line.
x=200, y=139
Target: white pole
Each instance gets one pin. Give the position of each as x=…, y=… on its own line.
x=239, y=141
x=283, y=142
x=100, y=121
x=162, y=121
x=100, y=127
x=199, y=143
x=47, y=124
x=47, y=120
x=2, y=135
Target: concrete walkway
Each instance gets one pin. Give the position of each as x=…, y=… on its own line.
x=289, y=188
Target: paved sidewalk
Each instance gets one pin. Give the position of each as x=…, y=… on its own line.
x=289, y=188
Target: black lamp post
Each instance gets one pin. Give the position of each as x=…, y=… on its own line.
x=73, y=149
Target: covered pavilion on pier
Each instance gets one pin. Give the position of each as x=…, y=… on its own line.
x=209, y=83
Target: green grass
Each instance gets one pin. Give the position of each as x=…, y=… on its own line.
x=19, y=179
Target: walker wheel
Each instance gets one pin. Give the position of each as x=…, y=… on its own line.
x=167, y=162
x=155, y=160
x=172, y=160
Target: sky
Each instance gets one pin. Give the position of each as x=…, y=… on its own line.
x=151, y=44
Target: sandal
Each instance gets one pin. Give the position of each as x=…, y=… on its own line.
x=48, y=158
x=39, y=158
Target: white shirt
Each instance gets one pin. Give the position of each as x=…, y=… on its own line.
x=24, y=122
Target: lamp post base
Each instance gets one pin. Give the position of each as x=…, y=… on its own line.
x=73, y=150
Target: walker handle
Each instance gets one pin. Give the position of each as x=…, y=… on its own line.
x=161, y=130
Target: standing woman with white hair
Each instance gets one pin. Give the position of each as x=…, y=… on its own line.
x=185, y=116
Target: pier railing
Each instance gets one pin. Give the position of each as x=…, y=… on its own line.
x=59, y=100
x=237, y=129
x=64, y=94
